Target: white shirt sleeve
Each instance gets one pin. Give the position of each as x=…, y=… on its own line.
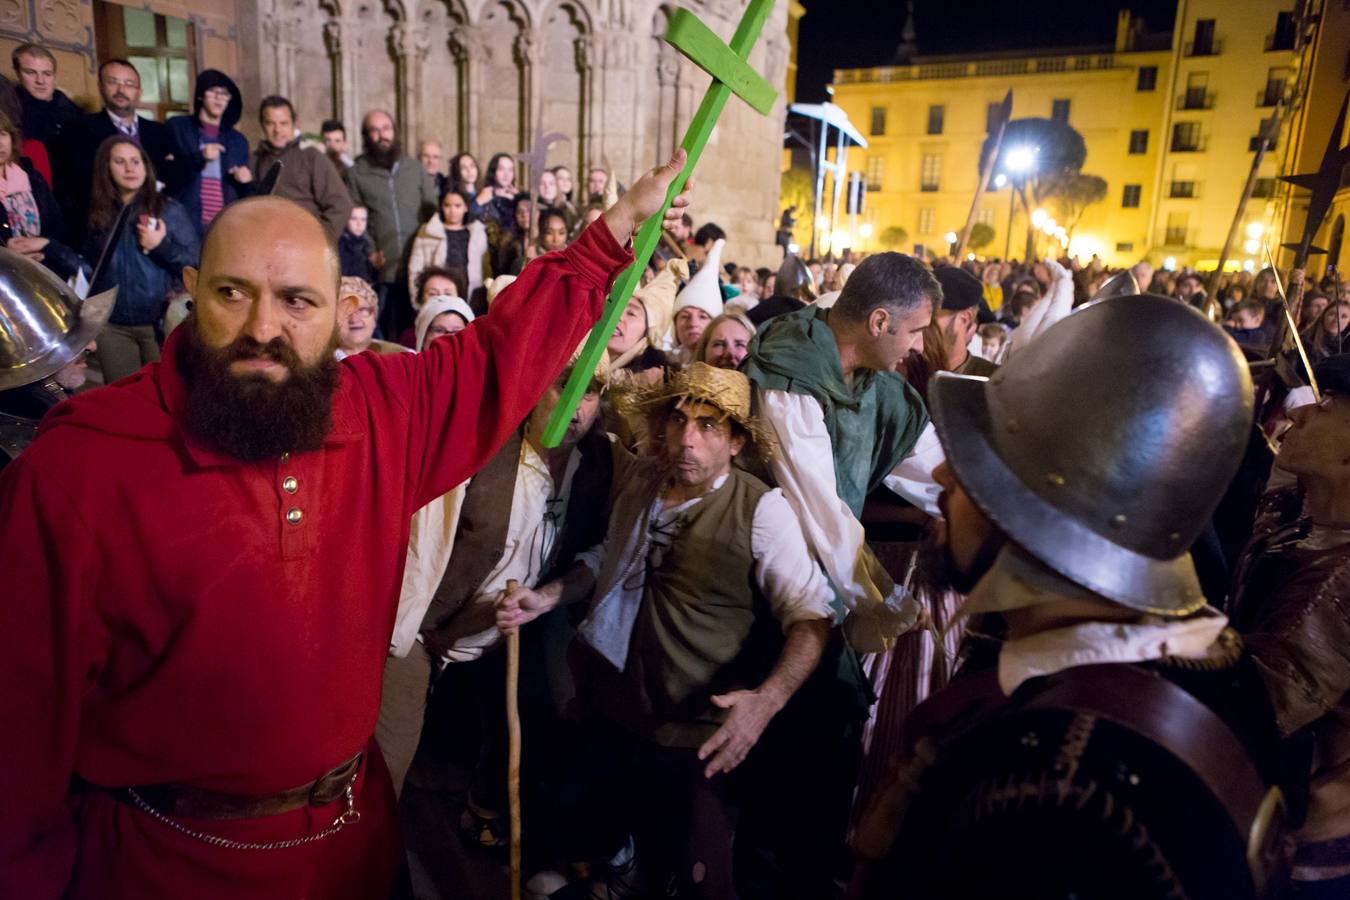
x=913, y=477
x=785, y=571
x=805, y=472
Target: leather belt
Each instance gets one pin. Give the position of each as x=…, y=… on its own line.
x=199, y=803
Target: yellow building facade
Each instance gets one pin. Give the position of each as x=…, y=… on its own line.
x=1169, y=121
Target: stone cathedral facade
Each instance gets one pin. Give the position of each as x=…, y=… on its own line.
x=477, y=75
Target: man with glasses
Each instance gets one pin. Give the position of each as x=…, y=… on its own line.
x=1291, y=601
x=119, y=85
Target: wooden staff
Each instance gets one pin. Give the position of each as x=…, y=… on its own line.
x=513, y=744
x=1004, y=115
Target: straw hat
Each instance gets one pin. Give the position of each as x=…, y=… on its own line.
x=726, y=389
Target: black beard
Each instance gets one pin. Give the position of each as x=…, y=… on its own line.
x=249, y=417
x=382, y=158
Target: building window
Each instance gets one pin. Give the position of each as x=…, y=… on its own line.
x=936, y=113
x=1059, y=110
x=1263, y=187
x=1185, y=137
x=1282, y=38
x=162, y=48
x=1148, y=78
x=991, y=115
x=1273, y=92
x=1182, y=189
x=930, y=174
x=926, y=219
x=1204, y=43
x=1139, y=141
x=878, y=121
x=1197, y=95
x=1124, y=246
x=1176, y=229
x=1130, y=199
x=985, y=216
x=1266, y=132
x=876, y=170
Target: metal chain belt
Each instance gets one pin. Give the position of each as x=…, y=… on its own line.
x=350, y=816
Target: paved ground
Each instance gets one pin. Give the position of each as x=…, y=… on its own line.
x=440, y=867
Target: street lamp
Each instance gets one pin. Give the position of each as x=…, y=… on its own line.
x=1019, y=160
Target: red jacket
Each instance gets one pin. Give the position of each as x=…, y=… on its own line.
x=161, y=620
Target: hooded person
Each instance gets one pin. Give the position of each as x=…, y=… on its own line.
x=645, y=325
x=1070, y=514
x=698, y=303
x=430, y=323
x=212, y=156
x=793, y=288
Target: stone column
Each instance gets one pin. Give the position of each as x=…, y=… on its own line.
x=668, y=85
x=410, y=45
x=589, y=58
x=467, y=45
x=344, y=39
x=282, y=35
x=529, y=53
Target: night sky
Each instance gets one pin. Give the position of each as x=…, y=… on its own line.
x=855, y=33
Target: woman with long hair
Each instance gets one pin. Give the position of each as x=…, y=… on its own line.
x=496, y=200
x=30, y=219
x=1329, y=334
x=450, y=239
x=464, y=178
x=145, y=264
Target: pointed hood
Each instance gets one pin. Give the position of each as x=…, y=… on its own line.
x=704, y=290
x=658, y=299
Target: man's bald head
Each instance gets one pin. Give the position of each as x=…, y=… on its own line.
x=254, y=211
x=269, y=272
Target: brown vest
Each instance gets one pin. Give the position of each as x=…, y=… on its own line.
x=703, y=628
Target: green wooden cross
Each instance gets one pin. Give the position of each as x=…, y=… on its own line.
x=730, y=74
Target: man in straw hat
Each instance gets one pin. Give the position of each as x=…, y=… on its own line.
x=201, y=680
x=708, y=614
x=1120, y=745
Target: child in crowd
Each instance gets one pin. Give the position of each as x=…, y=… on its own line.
x=356, y=253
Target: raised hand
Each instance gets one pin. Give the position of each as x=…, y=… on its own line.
x=644, y=199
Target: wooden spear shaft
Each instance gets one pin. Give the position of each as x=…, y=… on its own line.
x=985, y=174
x=513, y=744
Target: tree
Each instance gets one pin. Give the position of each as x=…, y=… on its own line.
x=1076, y=194
x=1058, y=153
x=981, y=235
x=893, y=237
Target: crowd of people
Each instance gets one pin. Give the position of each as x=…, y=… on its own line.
x=867, y=576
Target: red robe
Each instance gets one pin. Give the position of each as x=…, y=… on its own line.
x=161, y=621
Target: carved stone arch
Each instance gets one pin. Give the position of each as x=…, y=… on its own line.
x=441, y=108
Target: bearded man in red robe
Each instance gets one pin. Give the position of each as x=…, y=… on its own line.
x=202, y=565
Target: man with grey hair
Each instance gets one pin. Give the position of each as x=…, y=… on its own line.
x=1143, y=275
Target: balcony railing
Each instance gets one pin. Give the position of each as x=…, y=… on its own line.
x=1192, y=145
x=1204, y=48
x=1174, y=237
x=1195, y=98
x=1182, y=190
x=1271, y=94
x=977, y=68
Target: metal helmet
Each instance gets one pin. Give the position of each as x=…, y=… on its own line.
x=1104, y=450
x=43, y=323
x=794, y=279
x=1121, y=284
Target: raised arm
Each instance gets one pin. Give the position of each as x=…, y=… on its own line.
x=467, y=392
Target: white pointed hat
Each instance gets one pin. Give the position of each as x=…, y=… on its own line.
x=704, y=290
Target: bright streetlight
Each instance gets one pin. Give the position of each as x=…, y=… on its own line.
x=865, y=229
x=1000, y=180
x=1254, y=231
x=951, y=237
x=822, y=222
x=1038, y=217
x=1021, y=159
x=1252, y=246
